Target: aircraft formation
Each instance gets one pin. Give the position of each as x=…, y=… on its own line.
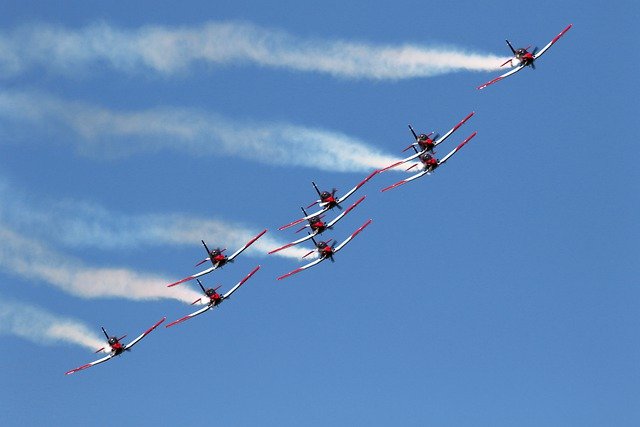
x=423, y=159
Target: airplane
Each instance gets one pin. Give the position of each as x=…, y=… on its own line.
x=117, y=348
x=317, y=225
x=328, y=200
x=214, y=298
x=425, y=143
x=429, y=164
x=217, y=258
x=524, y=58
x=325, y=251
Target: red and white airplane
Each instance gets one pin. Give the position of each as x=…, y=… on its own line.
x=317, y=225
x=328, y=200
x=325, y=251
x=116, y=347
x=217, y=258
x=214, y=298
x=429, y=164
x=524, y=58
x=426, y=144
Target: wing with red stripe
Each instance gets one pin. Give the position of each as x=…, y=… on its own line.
x=189, y=316
x=505, y=75
x=240, y=283
x=249, y=243
x=144, y=334
x=555, y=39
x=455, y=150
x=186, y=279
x=354, y=189
x=453, y=129
x=348, y=239
x=404, y=181
x=304, y=267
x=88, y=365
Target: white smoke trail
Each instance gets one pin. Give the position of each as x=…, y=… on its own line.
x=41, y=327
x=170, y=50
x=84, y=225
x=104, y=132
x=31, y=260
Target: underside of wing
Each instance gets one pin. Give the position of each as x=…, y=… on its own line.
x=288, y=245
x=298, y=221
x=405, y=160
x=346, y=211
x=455, y=150
x=240, y=283
x=195, y=276
x=249, y=243
x=452, y=130
x=360, y=184
x=404, y=181
x=304, y=267
x=507, y=74
x=555, y=39
x=88, y=365
x=354, y=234
x=189, y=316
x=144, y=334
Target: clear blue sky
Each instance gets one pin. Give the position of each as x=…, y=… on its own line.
x=502, y=290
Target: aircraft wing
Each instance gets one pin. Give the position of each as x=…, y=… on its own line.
x=304, y=267
x=189, y=316
x=354, y=189
x=455, y=150
x=249, y=243
x=202, y=273
x=298, y=221
x=346, y=211
x=505, y=75
x=88, y=365
x=348, y=239
x=144, y=334
x=408, y=159
x=452, y=130
x=404, y=181
x=240, y=283
x=300, y=240
x=555, y=39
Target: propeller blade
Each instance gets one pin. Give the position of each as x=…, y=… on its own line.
x=413, y=132
x=204, y=291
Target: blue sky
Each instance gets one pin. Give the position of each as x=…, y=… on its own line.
x=501, y=290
